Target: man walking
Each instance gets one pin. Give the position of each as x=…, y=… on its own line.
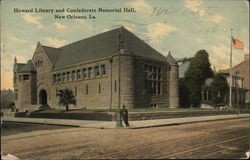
x=124, y=115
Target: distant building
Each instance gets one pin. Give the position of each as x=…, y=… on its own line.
x=238, y=90
x=106, y=71
x=240, y=85
x=183, y=65
x=243, y=70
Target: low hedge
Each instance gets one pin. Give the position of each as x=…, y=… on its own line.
x=78, y=115
x=111, y=116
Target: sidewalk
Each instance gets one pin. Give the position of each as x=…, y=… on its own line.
x=133, y=124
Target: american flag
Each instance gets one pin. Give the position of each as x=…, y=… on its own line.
x=237, y=44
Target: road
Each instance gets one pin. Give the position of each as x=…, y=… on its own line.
x=225, y=139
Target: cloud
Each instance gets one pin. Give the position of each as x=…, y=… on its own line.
x=105, y=30
x=60, y=26
x=33, y=19
x=221, y=56
x=195, y=6
x=139, y=5
x=54, y=42
x=19, y=40
x=157, y=30
x=216, y=19
x=217, y=64
x=129, y=27
x=220, y=51
x=32, y=48
x=6, y=81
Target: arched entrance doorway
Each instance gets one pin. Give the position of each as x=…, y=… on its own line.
x=43, y=97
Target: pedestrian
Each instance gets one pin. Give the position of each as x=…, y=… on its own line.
x=124, y=115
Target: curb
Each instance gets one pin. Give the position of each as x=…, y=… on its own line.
x=173, y=124
x=43, y=123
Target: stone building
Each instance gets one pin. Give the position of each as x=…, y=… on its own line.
x=105, y=71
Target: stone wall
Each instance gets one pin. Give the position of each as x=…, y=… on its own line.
x=91, y=92
x=43, y=72
x=173, y=86
x=24, y=91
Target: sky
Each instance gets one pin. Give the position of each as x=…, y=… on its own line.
x=180, y=26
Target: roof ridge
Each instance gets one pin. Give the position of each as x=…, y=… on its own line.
x=92, y=36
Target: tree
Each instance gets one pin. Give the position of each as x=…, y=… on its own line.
x=7, y=98
x=219, y=88
x=183, y=93
x=66, y=97
x=198, y=71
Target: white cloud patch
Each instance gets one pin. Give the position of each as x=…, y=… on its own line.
x=216, y=19
x=217, y=64
x=32, y=48
x=105, y=30
x=60, y=26
x=195, y=6
x=221, y=56
x=157, y=30
x=33, y=20
x=139, y=5
x=129, y=27
x=19, y=40
x=54, y=42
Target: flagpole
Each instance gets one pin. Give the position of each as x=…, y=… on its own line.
x=230, y=92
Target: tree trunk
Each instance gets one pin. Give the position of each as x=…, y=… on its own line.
x=67, y=107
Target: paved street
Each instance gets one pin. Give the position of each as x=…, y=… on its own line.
x=221, y=139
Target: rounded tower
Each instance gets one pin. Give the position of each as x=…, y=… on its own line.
x=25, y=86
x=173, y=81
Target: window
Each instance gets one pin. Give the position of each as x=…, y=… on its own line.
x=87, y=89
x=73, y=75
x=103, y=69
x=115, y=85
x=16, y=94
x=150, y=68
x=78, y=74
x=54, y=78
x=159, y=88
x=59, y=77
x=89, y=72
x=14, y=77
x=159, y=76
x=63, y=76
x=39, y=63
x=99, y=88
x=67, y=76
x=97, y=72
x=145, y=84
x=20, y=77
x=152, y=78
x=154, y=87
x=84, y=73
x=75, y=90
